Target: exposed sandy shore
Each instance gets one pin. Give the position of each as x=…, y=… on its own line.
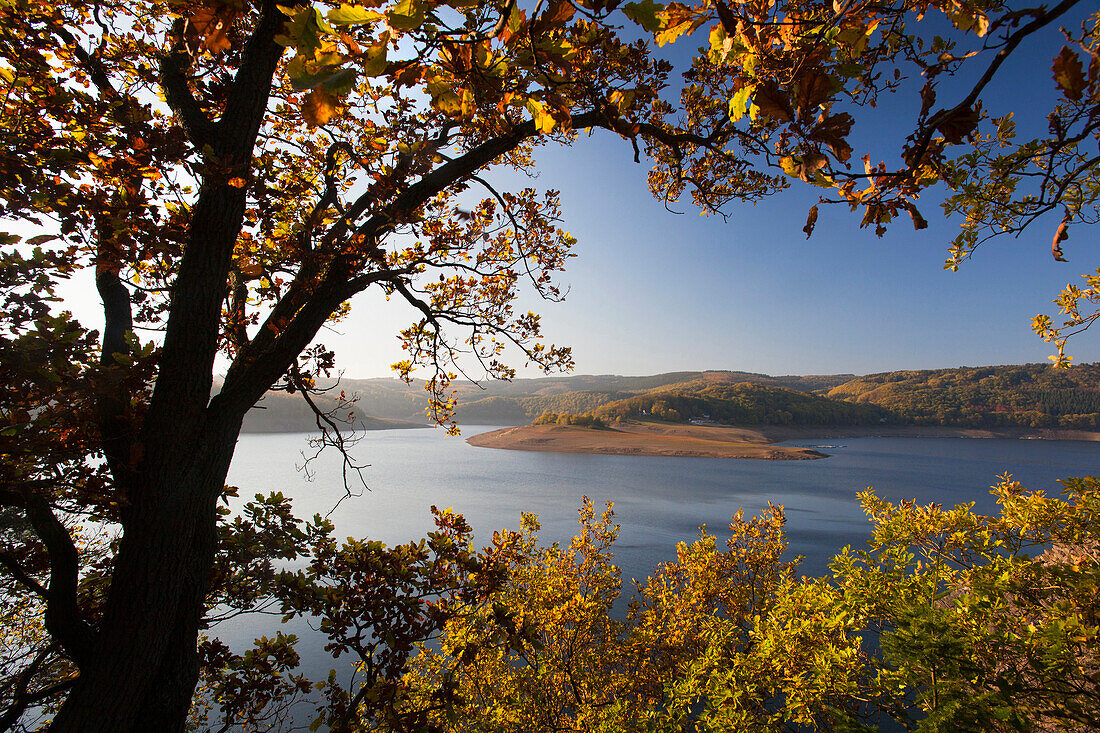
x=707, y=441
x=638, y=439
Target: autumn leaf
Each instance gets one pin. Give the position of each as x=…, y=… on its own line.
x=1060, y=236
x=739, y=102
x=814, y=89
x=919, y=222
x=811, y=221
x=352, y=15
x=250, y=270
x=448, y=100
x=676, y=20
x=374, y=58
x=1069, y=74
x=557, y=14
x=956, y=126
x=832, y=131
x=540, y=113
x=772, y=102
x=318, y=107
x=927, y=97
x=804, y=167
x=621, y=100
x=207, y=26
x=517, y=20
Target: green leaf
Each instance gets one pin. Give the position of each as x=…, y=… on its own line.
x=645, y=14
x=375, y=63
x=341, y=81
x=406, y=15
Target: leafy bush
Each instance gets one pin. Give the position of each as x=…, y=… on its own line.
x=976, y=634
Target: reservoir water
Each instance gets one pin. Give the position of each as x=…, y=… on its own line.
x=659, y=501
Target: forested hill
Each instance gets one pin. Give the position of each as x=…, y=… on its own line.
x=502, y=403
x=741, y=403
x=1031, y=395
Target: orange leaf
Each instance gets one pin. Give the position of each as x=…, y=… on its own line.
x=318, y=107
x=207, y=27
x=1060, y=236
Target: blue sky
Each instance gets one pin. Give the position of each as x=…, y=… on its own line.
x=652, y=291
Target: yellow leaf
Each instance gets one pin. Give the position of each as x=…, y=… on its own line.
x=739, y=102
x=544, y=121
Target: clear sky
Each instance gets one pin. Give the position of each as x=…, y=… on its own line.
x=651, y=291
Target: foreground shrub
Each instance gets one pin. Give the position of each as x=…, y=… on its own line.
x=945, y=622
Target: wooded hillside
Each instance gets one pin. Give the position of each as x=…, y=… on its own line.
x=1030, y=395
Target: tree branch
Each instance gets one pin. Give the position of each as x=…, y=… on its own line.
x=925, y=137
x=173, y=80
x=308, y=305
x=116, y=431
x=246, y=100
x=63, y=618
x=22, y=576
x=191, y=337
x=22, y=698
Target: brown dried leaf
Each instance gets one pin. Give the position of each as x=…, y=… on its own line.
x=957, y=126
x=832, y=130
x=927, y=97
x=1069, y=75
x=207, y=26
x=813, y=89
x=557, y=13
x=919, y=222
x=811, y=163
x=773, y=102
x=811, y=221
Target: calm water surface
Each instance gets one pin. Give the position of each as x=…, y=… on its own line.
x=658, y=500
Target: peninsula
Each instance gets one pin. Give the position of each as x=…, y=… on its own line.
x=644, y=439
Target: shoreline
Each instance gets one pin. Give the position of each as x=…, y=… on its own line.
x=720, y=441
x=780, y=433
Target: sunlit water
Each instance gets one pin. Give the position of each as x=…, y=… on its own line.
x=659, y=501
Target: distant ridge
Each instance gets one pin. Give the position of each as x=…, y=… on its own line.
x=1029, y=395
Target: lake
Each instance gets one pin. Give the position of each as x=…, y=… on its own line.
x=659, y=501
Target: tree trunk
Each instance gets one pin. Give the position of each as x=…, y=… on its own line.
x=144, y=666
